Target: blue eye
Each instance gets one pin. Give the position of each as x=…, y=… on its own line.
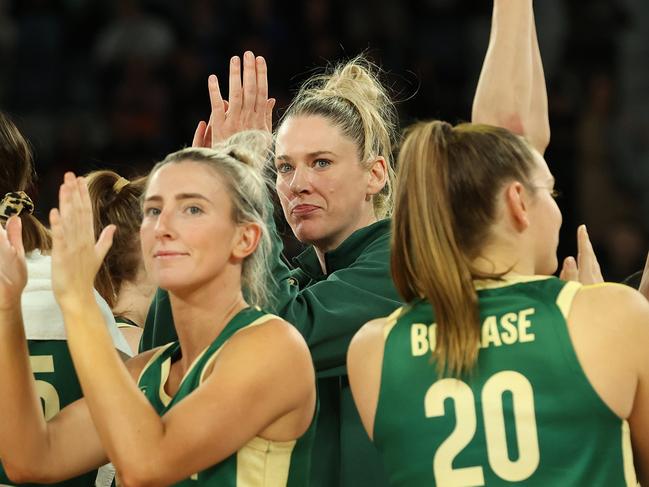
x=284, y=167
x=151, y=211
x=194, y=210
x=322, y=163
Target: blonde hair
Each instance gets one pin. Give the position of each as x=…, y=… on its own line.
x=239, y=162
x=351, y=97
x=446, y=201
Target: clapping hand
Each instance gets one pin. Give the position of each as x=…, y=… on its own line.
x=13, y=269
x=585, y=269
x=76, y=256
x=248, y=107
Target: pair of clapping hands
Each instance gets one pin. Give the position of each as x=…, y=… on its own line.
x=585, y=269
x=76, y=256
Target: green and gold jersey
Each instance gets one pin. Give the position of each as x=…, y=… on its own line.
x=57, y=386
x=526, y=415
x=261, y=462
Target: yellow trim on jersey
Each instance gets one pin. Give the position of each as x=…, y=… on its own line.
x=264, y=463
x=165, y=368
x=391, y=320
x=153, y=358
x=259, y=321
x=566, y=297
x=627, y=456
x=506, y=280
x=604, y=284
x=125, y=325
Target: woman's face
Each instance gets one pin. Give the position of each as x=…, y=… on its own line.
x=324, y=191
x=187, y=233
x=546, y=217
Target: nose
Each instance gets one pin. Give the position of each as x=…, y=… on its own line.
x=164, y=225
x=300, y=182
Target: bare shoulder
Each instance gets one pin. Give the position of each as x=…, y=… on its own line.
x=613, y=310
x=368, y=337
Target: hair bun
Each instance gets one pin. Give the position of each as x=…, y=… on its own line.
x=250, y=147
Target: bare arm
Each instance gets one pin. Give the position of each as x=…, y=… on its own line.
x=274, y=379
x=511, y=91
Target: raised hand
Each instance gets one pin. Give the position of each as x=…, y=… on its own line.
x=76, y=257
x=248, y=107
x=585, y=269
x=13, y=269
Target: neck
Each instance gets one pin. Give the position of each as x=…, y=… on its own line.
x=201, y=314
x=503, y=257
x=332, y=243
x=134, y=299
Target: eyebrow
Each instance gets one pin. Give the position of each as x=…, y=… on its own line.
x=310, y=155
x=180, y=197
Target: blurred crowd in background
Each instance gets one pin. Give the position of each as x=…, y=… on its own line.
x=118, y=84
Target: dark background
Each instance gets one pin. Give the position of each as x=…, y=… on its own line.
x=119, y=84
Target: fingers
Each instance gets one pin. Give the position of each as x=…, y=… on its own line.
x=199, y=135
x=249, y=83
x=15, y=235
x=589, y=270
x=569, y=270
x=261, y=100
x=105, y=241
x=235, y=95
x=270, y=104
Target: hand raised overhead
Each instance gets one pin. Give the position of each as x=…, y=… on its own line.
x=248, y=107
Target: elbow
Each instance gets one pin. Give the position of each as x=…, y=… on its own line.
x=28, y=472
x=138, y=474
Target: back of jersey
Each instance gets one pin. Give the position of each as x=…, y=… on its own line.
x=527, y=414
x=57, y=386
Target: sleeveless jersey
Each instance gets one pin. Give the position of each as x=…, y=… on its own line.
x=526, y=415
x=259, y=463
x=57, y=386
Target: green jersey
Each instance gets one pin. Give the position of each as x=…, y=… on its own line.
x=57, y=386
x=526, y=415
x=259, y=463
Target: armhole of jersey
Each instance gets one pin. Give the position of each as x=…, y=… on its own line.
x=153, y=358
x=566, y=296
x=259, y=321
x=391, y=321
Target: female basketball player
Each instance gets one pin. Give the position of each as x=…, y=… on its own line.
x=121, y=280
x=49, y=358
x=225, y=404
x=495, y=373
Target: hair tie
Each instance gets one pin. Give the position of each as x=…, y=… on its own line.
x=119, y=184
x=15, y=203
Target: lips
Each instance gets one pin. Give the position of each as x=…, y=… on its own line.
x=168, y=254
x=304, y=209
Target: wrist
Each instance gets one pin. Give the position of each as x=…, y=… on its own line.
x=77, y=303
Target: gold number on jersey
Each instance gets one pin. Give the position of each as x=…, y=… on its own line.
x=494, y=426
x=45, y=390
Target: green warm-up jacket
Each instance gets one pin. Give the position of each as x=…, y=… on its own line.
x=327, y=309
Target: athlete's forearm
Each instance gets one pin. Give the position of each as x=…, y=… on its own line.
x=511, y=88
x=23, y=430
x=129, y=428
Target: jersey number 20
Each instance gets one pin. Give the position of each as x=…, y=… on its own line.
x=494, y=427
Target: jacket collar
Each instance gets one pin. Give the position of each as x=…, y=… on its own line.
x=345, y=254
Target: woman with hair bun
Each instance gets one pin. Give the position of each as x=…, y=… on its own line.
x=230, y=403
x=56, y=381
x=334, y=178
x=121, y=280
